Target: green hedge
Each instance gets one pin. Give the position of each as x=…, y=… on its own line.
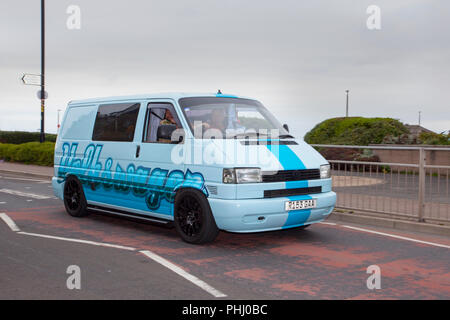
x=435, y=138
x=29, y=153
x=355, y=131
x=18, y=137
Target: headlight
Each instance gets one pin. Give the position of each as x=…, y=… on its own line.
x=242, y=175
x=228, y=176
x=248, y=175
x=325, y=171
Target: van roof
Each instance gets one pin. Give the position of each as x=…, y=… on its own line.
x=168, y=95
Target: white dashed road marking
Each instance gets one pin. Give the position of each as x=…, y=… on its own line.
x=25, y=179
x=25, y=194
x=398, y=237
x=101, y=244
x=329, y=223
x=203, y=285
x=9, y=222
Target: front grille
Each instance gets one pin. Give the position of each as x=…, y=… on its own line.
x=291, y=192
x=290, y=175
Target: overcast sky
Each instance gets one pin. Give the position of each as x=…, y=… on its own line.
x=297, y=57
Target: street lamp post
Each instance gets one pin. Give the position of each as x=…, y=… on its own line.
x=346, y=109
x=42, y=136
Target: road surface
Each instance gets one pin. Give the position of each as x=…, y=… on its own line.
x=123, y=259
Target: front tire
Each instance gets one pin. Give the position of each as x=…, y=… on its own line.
x=74, y=199
x=193, y=218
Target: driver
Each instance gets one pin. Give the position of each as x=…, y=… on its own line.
x=217, y=120
x=168, y=118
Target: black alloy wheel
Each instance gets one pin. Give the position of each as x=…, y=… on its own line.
x=193, y=217
x=74, y=199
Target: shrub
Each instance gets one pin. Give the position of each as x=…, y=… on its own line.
x=355, y=131
x=435, y=138
x=29, y=153
x=18, y=137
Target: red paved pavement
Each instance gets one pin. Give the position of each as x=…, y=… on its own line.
x=322, y=262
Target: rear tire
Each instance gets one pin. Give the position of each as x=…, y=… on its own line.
x=74, y=199
x=193, y=218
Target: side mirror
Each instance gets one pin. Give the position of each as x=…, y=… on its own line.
x=286, y=127
x=178, y=136
x=165, y=131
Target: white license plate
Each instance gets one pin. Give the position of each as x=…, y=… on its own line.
x=300, y=204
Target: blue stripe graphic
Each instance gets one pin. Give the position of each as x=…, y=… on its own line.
x=220, y=95
x=290, y=161
x=286, y=156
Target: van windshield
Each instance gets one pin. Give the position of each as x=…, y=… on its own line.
x=230, y=118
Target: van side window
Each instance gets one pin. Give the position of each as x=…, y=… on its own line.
x=160, y=115
x=78, y=123
x=116, y=122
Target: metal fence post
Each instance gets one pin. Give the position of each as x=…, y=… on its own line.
x=422, y=175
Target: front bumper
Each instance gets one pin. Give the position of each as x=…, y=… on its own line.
x=257, y=215
x=58, y=188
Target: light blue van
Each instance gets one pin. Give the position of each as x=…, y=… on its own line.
x=204, y=162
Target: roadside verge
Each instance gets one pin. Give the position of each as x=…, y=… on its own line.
x=26, y=169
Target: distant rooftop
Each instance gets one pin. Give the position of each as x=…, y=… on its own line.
x=416, y=130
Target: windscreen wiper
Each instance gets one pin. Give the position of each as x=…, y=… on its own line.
x=249, y=134
x=285, y=136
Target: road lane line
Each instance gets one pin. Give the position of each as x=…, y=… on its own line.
x=25, y=179
x=398, y=237
x=200, y=283
x=328, y=223
x=9, y=222
x=101, y=244
x=25, y=194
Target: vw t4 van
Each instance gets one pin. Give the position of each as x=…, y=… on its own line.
x=204, y=162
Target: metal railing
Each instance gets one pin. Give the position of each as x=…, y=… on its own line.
x=417, y=190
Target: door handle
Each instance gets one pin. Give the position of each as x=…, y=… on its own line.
x=138, y=150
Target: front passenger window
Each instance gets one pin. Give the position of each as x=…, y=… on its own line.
x=161, y=122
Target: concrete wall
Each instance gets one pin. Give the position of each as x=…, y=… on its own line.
x=412, y=156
